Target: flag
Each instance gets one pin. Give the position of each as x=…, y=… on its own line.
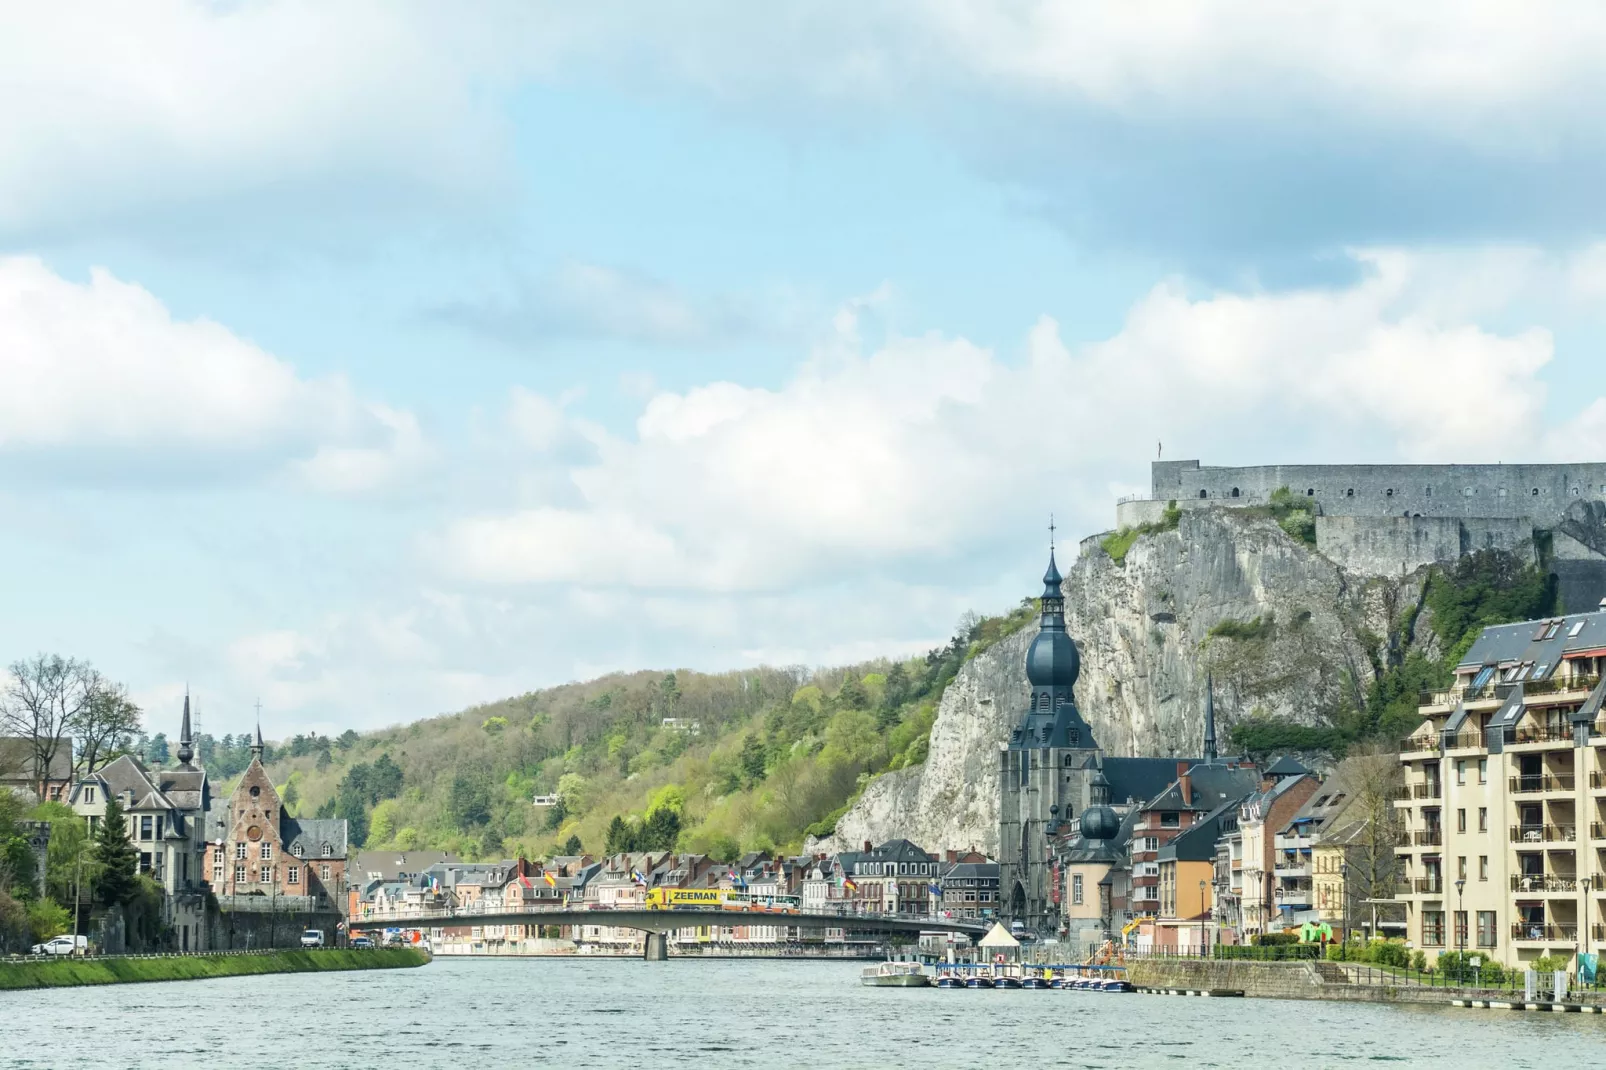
x=550, y=879
x=636, y=875
x=935, y=890
x=850, y=884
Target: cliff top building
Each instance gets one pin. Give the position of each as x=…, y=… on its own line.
x=1389, y=519
x=1053, y=774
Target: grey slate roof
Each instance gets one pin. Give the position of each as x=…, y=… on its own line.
x=1286, y=766
x=1211, y=786
x=397, y=865
x=1197, y=843
x=1138, y=779
x=311, y=833
x=1515, y=644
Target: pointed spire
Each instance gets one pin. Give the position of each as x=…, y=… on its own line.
x=186, y=742
x=1210, y=718
x=1052, y=578
x=256, y=748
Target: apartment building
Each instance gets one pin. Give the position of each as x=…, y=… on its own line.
x=1503, y=848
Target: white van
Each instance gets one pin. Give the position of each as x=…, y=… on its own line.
x=312, y=938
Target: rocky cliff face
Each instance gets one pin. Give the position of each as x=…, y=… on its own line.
x=1291, y=635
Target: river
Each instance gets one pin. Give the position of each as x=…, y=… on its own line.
x=585, y=1013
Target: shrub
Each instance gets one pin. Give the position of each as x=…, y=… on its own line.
x=1419, y=960
x=1117, y=543
x=1273, y=939
x=1388, y=953
x=1245, y=630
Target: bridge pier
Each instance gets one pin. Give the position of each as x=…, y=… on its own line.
x=656, y=948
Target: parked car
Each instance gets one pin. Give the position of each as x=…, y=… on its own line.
x=361, y=941
x=62, y=945
x=312, y=938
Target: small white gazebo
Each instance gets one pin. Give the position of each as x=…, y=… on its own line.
x=999, y=941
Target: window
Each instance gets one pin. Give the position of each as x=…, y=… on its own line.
x=1170, y=820
x=217, y=873
x=1486, y=928
x=292, y=875
x=1460, y=820
x=1461, y=867
x=145, y=827
x=255, y=791
x=1076, y=889
x=239, y=850
x=1433, y=928
x=1460, y=770
x=239, y=874
x=144, y=861
x=266, y=852
x=1483, y=867
x=158, y=823
x=1483, y=819
x=1350, y=493
x=265, y=875
x=1572, y=633
x=89, y=790
x=323, y=871
x=1460, y=928
x=1483, y=770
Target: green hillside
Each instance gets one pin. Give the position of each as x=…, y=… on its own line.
x=752, y=759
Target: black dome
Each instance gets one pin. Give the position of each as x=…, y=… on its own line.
x=1100, y=823
x=1052, y=660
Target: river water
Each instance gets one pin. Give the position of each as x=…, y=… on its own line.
x=588, y=1013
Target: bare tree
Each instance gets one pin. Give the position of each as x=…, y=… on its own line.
x=1370, y=825
x=44, y=699
x=105, y=725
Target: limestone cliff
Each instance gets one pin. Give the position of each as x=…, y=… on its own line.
x=1291, y=633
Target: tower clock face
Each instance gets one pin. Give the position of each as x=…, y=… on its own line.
x=253, y=833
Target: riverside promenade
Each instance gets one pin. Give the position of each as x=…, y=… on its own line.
x=1338, y=982
x=196, y=966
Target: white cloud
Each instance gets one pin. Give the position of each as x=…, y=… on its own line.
x=102, y=369
x=109, y=106
x=921, y=448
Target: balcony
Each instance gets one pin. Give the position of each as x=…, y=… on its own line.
x=1417, y=746
x=1533, y=932
x=1548, y=884
x=1560, y=685
x=1544, y=833
x=1533, y=785
x=1597, y=781
x=1541, y=734
x=1290, y=870
x=1450, y=696
x=1424, y=791
x=1433, y=837
x=1428, y=886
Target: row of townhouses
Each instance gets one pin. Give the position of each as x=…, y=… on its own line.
x=895, y=877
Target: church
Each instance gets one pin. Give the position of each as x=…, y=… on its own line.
x=1053, y=777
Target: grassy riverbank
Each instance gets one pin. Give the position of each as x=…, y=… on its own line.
x=121, y=970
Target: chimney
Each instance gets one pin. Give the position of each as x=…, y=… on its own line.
x=1185, y=782
x=866, y=846
x=950, y=856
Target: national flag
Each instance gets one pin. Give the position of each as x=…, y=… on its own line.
x=850, y=884
x=550, y=879
x=636, y=875
x=935, y=890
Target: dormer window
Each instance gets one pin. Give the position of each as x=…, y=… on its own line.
x=327, y=850
x=296, y=850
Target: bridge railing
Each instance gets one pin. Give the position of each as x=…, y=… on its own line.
x=484, y=909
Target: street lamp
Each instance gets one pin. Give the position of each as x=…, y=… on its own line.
x=1204, y=913
x=1343, y=894
x=1460, y=904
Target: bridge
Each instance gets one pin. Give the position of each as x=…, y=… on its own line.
x=657, y=924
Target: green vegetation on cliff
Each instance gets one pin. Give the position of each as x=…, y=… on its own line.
x=1117, y=543
x=718, y=763
x=1488, y=587
x=66, y=972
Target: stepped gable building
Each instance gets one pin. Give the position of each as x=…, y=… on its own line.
x=165, y=812
x=1051, y=771
x=1392, y=518
x=259, y=850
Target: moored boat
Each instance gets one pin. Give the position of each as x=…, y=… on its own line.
x=1005, y=981
x=895, y=975
x=948, y=980
x=1035, y=982
x=978, y=980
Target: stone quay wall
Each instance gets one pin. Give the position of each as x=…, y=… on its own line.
x=1285, y=980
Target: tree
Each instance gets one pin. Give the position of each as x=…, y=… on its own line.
x=556, y=814
x=468, y=802
x=105, y=725
x=852, y=694
x=661, y=830
x=116, y=860
x=43, y=701
x=1369, y=829
x=347, y=739
x=620, y=837
x=156, y=752
x=753, y=758
x=385, y=779
x=571, y=846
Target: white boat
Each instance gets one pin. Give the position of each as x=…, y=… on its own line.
x=895, y=975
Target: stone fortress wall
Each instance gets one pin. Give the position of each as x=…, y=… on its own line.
x=1388, y=520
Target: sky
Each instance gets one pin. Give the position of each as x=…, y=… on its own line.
x=375, y=359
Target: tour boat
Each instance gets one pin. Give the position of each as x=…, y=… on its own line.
x=949, y=980
x=895, y=975
x=1036, y=982
x=1006, y=981
x=978, y=980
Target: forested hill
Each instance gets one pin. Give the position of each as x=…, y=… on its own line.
x=716, y=763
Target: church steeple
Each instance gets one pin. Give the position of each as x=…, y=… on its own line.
x=1052, y=667
x=186, y=744
x=256, y=748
